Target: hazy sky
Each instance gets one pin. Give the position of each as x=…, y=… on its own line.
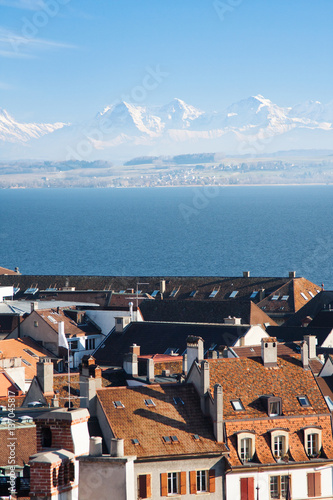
x=65, y=60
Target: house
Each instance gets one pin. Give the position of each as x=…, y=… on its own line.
x=159, y=444
x=321, y=303
x=43, y=326
x=277, y=425
x=170, y=338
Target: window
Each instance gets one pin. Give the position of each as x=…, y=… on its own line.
x=193, y=293
x=247, y=488
x=314, y=484
x=149, y=402
x=36, y=323
x=237, y=404
x=272, y=404
x=178, y=401
x=274, y=409
x=279, y=443
x=90, y=344
x=312, y=441
x=303, y=401
x=279, y=487
x=118, y=404
x=46, y=437
x=54, y=477
x=144, y=486
x=201, y=480
x=71, y=471
x=135, y=441
x=73, y=345
x=173, y=483
x=233, y=294
x=245, y=449
x=213, y=294
x=245, y=445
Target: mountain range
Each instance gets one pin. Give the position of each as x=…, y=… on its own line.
x=251, y=126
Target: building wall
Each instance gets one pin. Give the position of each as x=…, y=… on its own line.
x=252, y=337
x=156, y=468
x=299, y=489
x=328, y=342
x=42, y=333
x=106, y=319
x=107, y=480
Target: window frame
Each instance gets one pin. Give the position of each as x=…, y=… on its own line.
x=282, y=495
x=202, y=476
x=316, y=439
x=283, y=436
x=249, y=437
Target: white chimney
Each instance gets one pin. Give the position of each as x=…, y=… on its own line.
x=162, y=286
x=269, y=351
x=131, y=310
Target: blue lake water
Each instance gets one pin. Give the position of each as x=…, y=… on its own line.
x=170, y=231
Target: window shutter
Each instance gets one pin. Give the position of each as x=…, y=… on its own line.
x=247, y=488
x=193, y=482
x=317, y=484
x=183, y=483
x=148, y=485
x=211, y=474
x=142, y=486
x=311, y=482
x=164, y=484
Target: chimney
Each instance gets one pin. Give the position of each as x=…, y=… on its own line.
x=261, y=294
x=135, y=349
x=162, y=286
x=204, y=384
x=45, y=375
x=305, y=355
x=150, y=370
x=232, y=320
x=17, y=270
x=218, y=413
x=34, y=306
x=292, y=274
x=121, y=322
x=117, y=447
x=269, y=351
x=195, y=351
x=185, y=364
x=95, y=446
x=246, y=274
x=130, y=362
x=311, y=340
x=131, y=310
x=90, y=381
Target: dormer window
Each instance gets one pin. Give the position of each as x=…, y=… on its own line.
x=279, y=443
x=246, y=445
x=272, y=405
x=312, y=441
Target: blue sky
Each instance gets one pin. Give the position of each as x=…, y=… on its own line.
x=65, y=60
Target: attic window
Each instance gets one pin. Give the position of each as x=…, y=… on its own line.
x=118, y=404
x=135, y=442
x=193, y=293
x=155, y=292
x=285, y=297
x=174, y=439
x=237, y=404
x=178, y=401
x=304, y=296
x=213, y=294
x=149, y=402
x=273, y=405
x=303, y=401
x=233, y=294
x=167, y=439
x=275, y=297
x=253, y=294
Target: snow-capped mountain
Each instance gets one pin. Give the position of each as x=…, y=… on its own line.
x=12, y=131
x=123, y=130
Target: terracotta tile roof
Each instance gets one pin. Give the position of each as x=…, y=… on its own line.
x=255, y=350
x=25, y=444
x=27, y=349
x=149, y=424
x=155, y=337
x=203, y=311
x=291, y=292
x=60, y=386
x=52, y=317
x=6, y=384
x=248, y=379
x=5, y=271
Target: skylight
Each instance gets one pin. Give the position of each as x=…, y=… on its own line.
x=329, y=403
x=233, y=294
x=304, y=296
x=303, y=401
x=26, y=362
x=135, y=441
x=149, y=402
x=310, y=293
x=196, y=437
x=178, y=401
x=171, y=350
x=54, y=321
x=155, y=292
x=50, y=289
x=275, y=297
x=118, y=404
x=213, y=294
x=253, y=294
x=31, y=353
x=122, y=291
x=174, y=292
x=31, y=291
x=237, y=404
x=167, y=439
x=174, y=439
x=285, y=297
x=16, y=290
x=193, y=293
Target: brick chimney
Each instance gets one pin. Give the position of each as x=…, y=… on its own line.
x=269, y=351
x=195, y=350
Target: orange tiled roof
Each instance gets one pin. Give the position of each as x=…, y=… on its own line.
x=15, y=348
x=25, y=444
x=6, y=384
x=248, y=379
x=293, y=290
x=5, y=271
x=52, y=317
x=150, y=424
